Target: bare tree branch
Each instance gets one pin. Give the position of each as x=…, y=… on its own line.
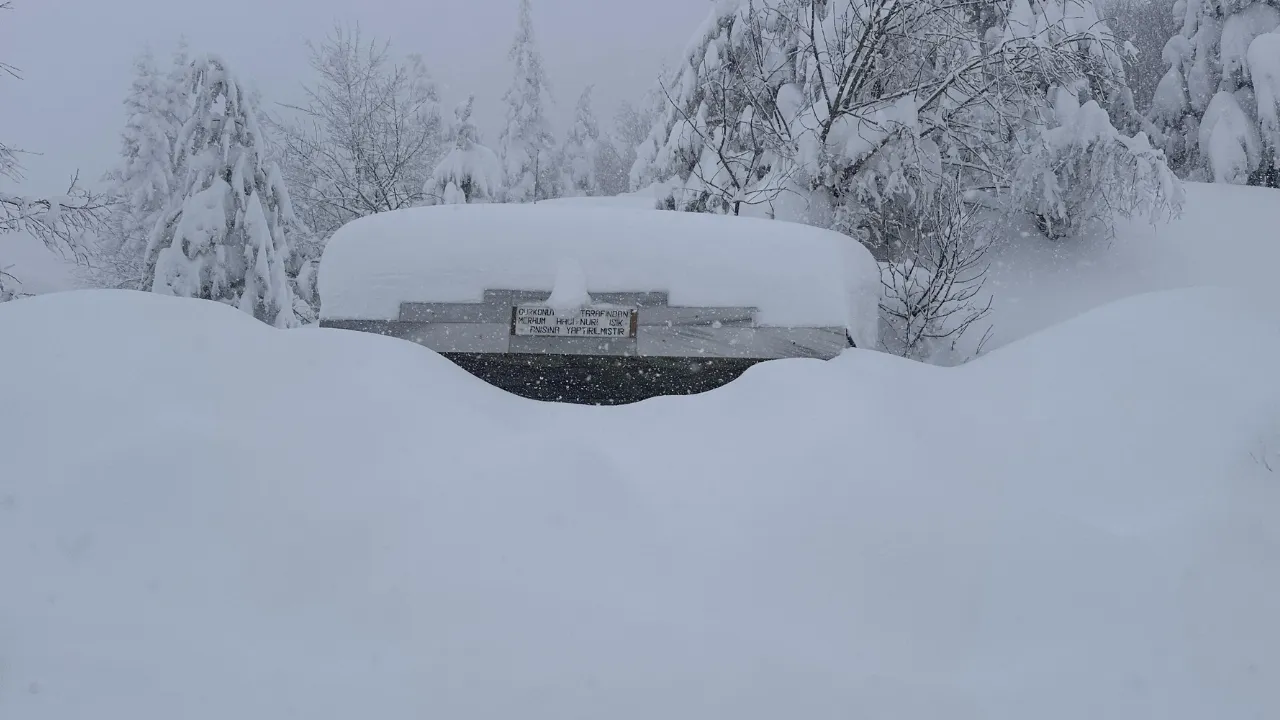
x=60, y=222
x=367, y=137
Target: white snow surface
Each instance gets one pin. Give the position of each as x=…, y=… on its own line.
x=1226, y=236
x=570, y=289
x=1081, y=524
x=796, y=275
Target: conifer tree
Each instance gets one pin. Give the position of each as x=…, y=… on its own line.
x=145, y=181
x=583, y=150
x=527, y=145
x=229, y=238
x=471, y=172
x=1218, y=104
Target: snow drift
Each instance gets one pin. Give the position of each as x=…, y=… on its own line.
x=1225, y=236
x=202, y=517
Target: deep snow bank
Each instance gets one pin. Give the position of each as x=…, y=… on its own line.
x=201, y=517
x=1227, y=236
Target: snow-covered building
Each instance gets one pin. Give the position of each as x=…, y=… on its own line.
x=600, y=304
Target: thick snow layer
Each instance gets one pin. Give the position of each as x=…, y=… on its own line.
x=794, y=274
x=1078, y=525
x=1226, y=236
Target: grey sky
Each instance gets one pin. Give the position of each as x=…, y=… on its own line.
x=76, y=56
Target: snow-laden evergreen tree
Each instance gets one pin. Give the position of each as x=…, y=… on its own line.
x=229, y=238
x=1216, y=104
x=1078, y=170
x=581, y=155
x=527, y=145
x=1142, y=27
x=144, y=182
x=716, y=142
x=629, y=129
x=471, y=172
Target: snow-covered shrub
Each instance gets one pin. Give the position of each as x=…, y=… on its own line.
x=1079, y=173
x=933, y=284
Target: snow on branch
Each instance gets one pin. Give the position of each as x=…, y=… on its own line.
x=933, y=286
x=60, y=222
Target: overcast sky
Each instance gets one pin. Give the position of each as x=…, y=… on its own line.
x=75, y=56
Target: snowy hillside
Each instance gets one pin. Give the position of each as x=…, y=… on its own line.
x=1080, y=525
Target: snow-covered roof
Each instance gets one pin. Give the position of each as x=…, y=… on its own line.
x=795, y=275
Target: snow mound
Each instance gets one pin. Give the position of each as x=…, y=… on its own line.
x=1078, y=525
x=794, y=274
x=1225, y=236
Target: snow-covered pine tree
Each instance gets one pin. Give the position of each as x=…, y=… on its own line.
x=228, y=240
x=144, y=182
x=1142, y=27
x=716, y=142
x=582, y=150
x=527, y=145
x=630, y=128
x=471, y=172
x=1217, y=103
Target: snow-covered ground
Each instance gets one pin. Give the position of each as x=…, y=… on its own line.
x=1227, y=236
x=203, y=517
